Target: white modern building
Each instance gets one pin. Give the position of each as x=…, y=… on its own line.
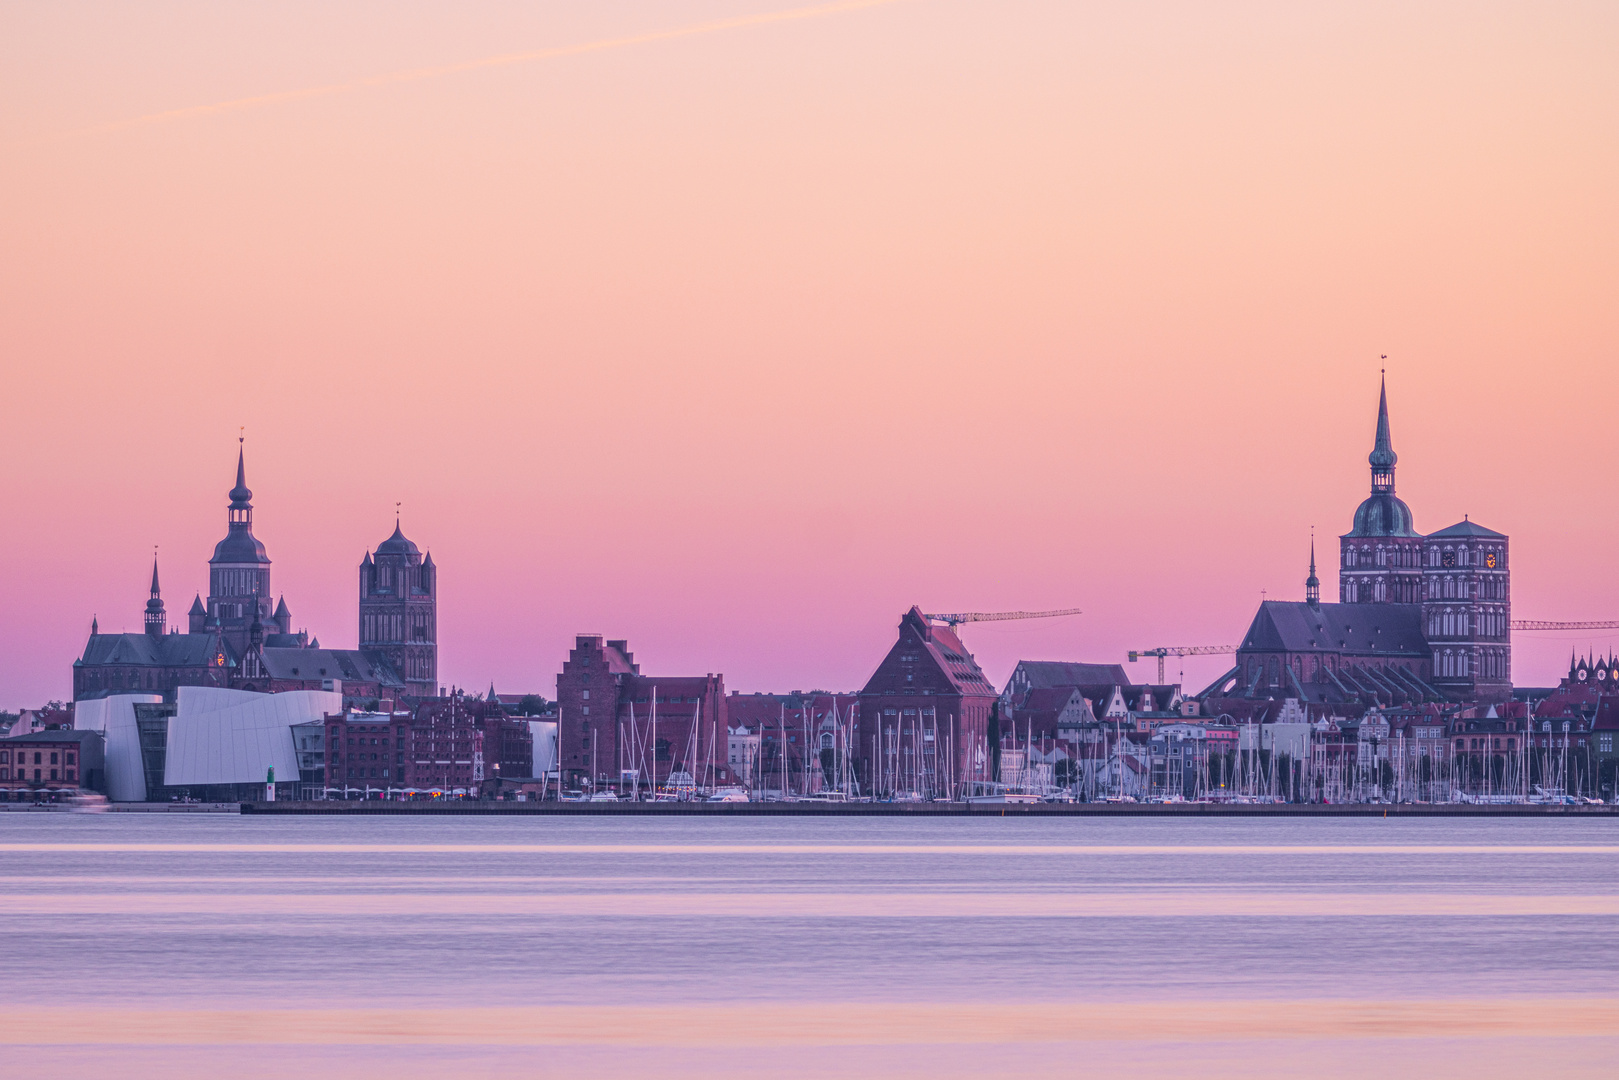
x=212, y=742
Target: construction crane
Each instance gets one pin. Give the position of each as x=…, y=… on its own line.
x=956, y=619
x=1214, y=650
x=1179, y=650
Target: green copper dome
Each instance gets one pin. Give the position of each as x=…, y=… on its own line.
x=1384, y=515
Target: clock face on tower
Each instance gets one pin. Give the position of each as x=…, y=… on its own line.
x=1449, y=558
x=1489, y=560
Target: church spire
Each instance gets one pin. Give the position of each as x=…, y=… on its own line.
x=241, y=499
x=1383, y=457
x=1312, y=584
x=154, y=606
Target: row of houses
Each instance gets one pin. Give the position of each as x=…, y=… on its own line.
x=926, y=725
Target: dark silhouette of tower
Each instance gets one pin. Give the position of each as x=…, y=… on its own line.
x=1312, y=584
x=154, y=606
x=399, y=611
x=239, y=572
x=1380, y=557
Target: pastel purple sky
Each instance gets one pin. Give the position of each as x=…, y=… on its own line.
x=738, y=342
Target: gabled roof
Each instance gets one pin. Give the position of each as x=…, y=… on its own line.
x=149, y=650
x=936, y=647
x=1465, y=529
x=1354, y=629
x=354, y=665
x=1040, y=674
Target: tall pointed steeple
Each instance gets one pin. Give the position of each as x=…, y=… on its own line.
x=241, y=499
x=154, y=607
x=239, y=572
x=1312, y=584
x=1383, y=457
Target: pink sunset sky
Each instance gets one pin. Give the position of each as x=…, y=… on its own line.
x=737, y=342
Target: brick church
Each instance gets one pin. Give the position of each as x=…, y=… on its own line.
x=238, y=638
x=1420, y=618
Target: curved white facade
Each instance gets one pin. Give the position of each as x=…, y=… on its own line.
x=114, y=717
x=235, y=737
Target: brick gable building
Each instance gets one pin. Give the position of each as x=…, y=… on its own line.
x=621, y=730
x=924, y=715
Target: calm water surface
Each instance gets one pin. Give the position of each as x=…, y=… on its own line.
x=204, y=944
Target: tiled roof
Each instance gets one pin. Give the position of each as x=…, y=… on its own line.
x=1356, y=629
x=352, y=665
x=56, y=735
x=147, y=650
x=1467, y=528
x=1047, y=673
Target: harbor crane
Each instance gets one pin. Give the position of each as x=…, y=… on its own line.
x=1179, y=650
x=1215, y=650
x=955, y=619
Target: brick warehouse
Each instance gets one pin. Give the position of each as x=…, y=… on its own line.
x=619, y=729
x=924, y=716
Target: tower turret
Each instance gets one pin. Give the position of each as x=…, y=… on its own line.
x=1312, y=584
x=154, y=606
x=399, y=610
x=1380, y=556
x=239, y=572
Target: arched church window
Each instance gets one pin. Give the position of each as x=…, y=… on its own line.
x=1461, y=555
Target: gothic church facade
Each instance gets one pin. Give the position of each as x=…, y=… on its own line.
x=1419, y=618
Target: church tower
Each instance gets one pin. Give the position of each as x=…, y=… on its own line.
x=399, y=611
x=239, y=572
x=1380, y=557
x=1467, y=611
x=154, y=607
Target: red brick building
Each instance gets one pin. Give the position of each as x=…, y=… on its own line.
x=924, y=716
x=447, y=744
x=51, y=764
x=622, y=730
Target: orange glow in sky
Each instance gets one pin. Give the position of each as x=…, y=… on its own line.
x=735, y=328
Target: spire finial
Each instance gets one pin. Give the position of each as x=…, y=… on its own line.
x=154, y=572
x=1312, y=584
x=1382, y=457
x=240, y=496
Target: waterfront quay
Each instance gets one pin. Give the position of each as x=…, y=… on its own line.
x=373, y=807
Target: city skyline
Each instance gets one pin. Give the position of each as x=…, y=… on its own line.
x=739, y=344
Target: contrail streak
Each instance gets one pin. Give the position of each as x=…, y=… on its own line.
x=713, y=26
